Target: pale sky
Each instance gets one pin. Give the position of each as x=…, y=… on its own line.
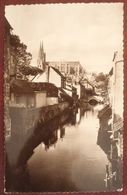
x=86, y=32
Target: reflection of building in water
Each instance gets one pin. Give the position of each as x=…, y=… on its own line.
x=74, y=116
x=62, y=132
x=116, y=100
x=111, y=126
x=113, y=178
x=51, y=139
x=84, y=110
x=46, y=133
x=78, y=116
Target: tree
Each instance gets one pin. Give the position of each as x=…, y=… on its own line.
x=101, y=77
x=102, y=80
x=20, y=55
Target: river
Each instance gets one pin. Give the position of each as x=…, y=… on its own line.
x=64, y=156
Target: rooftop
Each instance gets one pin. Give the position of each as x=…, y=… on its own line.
x=57, y=71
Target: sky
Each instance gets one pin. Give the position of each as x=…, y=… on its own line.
x=85, y=32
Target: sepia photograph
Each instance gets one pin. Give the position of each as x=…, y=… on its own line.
x=63, y=97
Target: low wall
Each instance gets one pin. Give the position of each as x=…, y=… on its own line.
x=24, y=120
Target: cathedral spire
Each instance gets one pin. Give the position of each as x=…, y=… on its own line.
x=42, y=48
x=41, y=57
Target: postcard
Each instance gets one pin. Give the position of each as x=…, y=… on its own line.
x=63, y=80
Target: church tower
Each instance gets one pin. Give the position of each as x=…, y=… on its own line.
x=41, y=61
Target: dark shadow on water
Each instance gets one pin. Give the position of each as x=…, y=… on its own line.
x=47, y=134
x=114, y=177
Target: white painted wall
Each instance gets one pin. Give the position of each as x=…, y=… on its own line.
x=111, y=90
x=22, y=100
x=54, y=78
x=41, y=78
x=40, y=99
x=118, y=89
x=116, y=85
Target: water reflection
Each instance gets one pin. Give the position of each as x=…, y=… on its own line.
x=113, y=179
x=46, y=133
x=63, y=155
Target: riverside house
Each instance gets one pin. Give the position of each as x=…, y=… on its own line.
x=31, y=95
x=116, y=100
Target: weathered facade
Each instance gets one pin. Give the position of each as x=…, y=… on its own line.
x=115, y=87
x=33, y=95
x=32, y=102
x=116, y=100
x=115, y=90
x=8, y=72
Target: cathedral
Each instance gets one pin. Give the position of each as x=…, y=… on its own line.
x=41, y=61
x=70, y=69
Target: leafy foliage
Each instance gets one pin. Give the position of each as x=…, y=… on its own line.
x=102, y=81
x=101, y=77
x=20, y=55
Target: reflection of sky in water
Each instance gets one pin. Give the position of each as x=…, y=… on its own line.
x=75, y=163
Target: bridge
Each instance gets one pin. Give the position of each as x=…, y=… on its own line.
x=95, y=99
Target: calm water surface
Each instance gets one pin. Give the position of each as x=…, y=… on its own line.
x=69, y=159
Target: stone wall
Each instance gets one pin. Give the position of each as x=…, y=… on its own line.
x=24, y=120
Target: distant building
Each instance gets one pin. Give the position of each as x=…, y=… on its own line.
x=87, y=89
x=41, y=61
x=55, y=77
x=66, y=67
x=71, y=69
x=62, y=74
x=51, y=75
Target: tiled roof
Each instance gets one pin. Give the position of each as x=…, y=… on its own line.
x=21, y=86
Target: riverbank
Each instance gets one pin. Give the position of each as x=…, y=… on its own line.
x=108, y=140
x=61, y=154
